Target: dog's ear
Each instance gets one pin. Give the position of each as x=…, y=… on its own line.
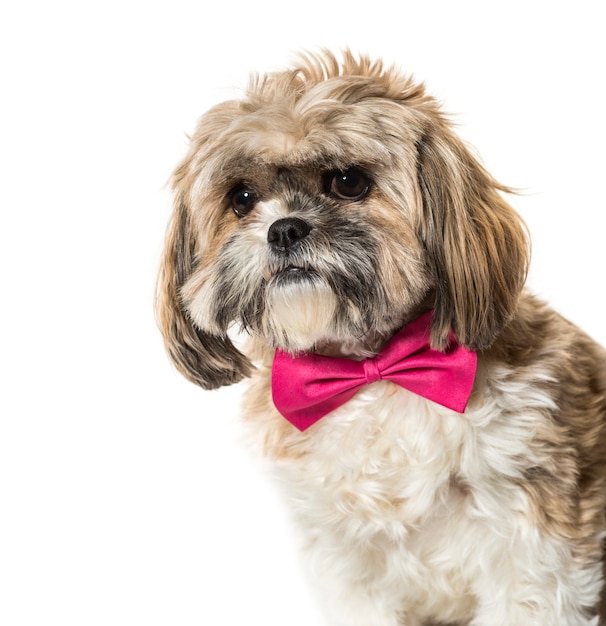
x=477, y=244
x=204, y=358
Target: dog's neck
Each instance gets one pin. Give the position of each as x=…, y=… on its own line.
x=368, y=345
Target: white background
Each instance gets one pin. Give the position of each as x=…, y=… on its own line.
x=125, y=495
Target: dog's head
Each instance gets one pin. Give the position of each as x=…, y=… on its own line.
x=327, y=207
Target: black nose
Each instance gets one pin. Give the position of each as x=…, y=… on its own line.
x=286, y=232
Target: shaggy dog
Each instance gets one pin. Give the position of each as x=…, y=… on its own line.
x=334, y=216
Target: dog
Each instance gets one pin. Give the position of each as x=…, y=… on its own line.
x=456, y=472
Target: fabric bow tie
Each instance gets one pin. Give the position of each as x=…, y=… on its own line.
x=308, y=386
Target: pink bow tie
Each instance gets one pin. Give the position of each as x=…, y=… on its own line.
x=308, y=386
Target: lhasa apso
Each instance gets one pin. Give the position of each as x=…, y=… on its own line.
x=441, y=433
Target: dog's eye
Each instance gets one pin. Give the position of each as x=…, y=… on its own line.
x=350, y=184
x=242, y=200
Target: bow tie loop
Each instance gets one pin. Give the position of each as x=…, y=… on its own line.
x=307, y=387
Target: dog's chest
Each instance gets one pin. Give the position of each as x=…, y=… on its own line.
x=387, y=456
x=394, y=487
x=391, y=463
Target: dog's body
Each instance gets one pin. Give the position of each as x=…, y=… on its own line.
x=323, y=213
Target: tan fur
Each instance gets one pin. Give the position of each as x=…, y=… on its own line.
x=492, y=518
x=182, y=339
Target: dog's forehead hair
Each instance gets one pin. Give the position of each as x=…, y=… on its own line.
x=329, y=135
x=295, y=179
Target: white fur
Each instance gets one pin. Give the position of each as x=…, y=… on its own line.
x=302, y=313
x=385, y=525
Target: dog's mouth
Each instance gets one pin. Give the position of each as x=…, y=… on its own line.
x=294, y=269
x=293, y=274
x=290, y=269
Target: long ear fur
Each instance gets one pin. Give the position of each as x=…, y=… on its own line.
x=205, y=359
x=476, y=243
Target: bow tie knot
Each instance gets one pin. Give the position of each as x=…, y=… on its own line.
x=307, y=387
x=372, y=373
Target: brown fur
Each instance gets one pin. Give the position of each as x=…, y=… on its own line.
x=569, y=488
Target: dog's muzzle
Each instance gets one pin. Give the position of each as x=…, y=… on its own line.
x=284, y=238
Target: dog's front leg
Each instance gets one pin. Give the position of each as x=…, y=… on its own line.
x=352, y=581
x=347, y=603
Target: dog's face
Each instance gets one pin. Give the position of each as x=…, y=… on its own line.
x=324, y=210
